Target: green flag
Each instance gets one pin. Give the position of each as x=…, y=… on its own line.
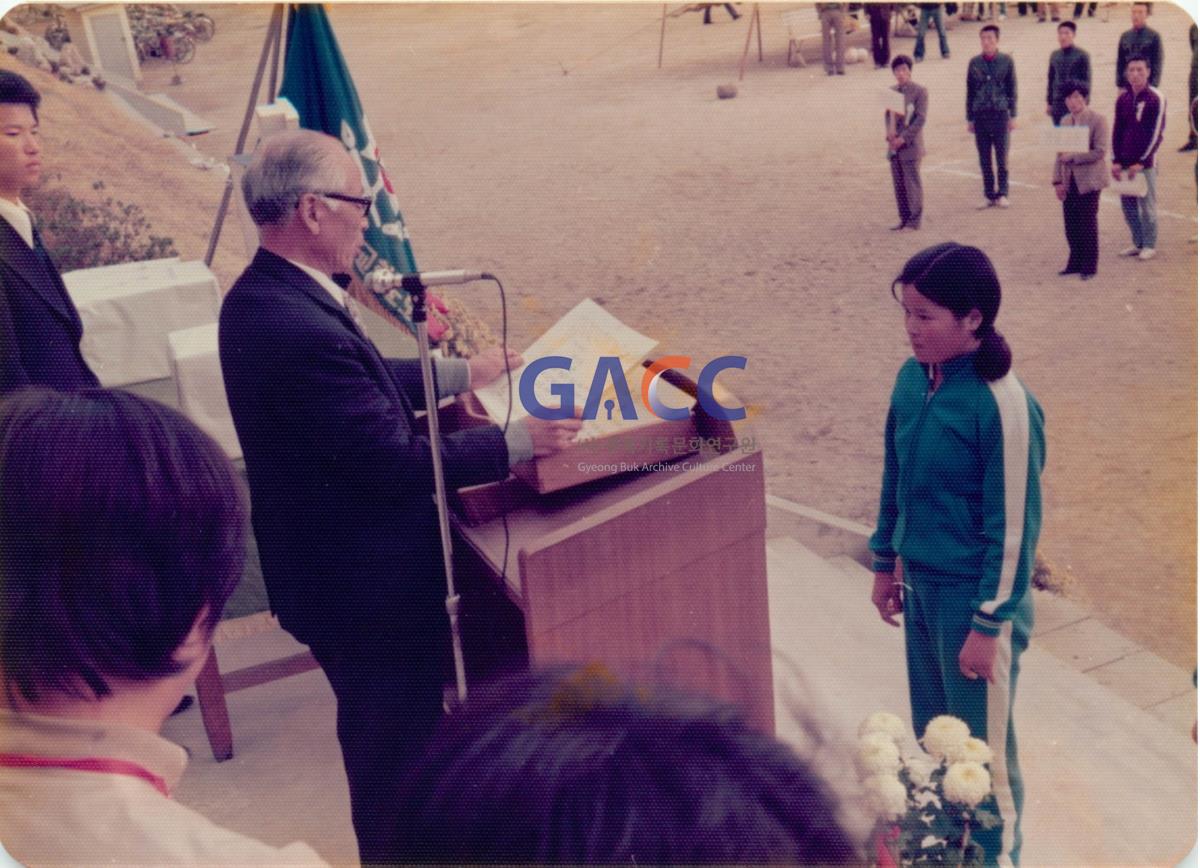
x=317, y=82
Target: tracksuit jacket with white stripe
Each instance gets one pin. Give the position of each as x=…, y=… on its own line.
x=1138, y=126
x=961, y=499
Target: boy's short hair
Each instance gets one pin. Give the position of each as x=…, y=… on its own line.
x=1069, y=24
x=572, y=766
x=902, y=60
x=990, y=27
x=121, y=523
x=16, y=89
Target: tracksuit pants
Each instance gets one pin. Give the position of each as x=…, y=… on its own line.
x=937, y=617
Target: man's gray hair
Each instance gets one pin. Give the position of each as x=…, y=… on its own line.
x=288, y=165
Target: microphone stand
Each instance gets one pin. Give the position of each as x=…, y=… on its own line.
x=419, y=316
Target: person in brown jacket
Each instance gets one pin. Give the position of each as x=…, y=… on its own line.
x=1078, y=180
x=906, y=144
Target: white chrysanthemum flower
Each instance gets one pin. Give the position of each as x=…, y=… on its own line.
x=886, y=796
x=877, y=755
x=885, y=722
x=967, y=783
x=945, y=736
x=974, y=750
x=932, y=841
x=925, y=798
x=920, y=769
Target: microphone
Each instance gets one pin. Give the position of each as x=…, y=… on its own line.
x=381, y=280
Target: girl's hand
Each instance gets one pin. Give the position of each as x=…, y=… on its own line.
x=887, y=598
x=977, y=656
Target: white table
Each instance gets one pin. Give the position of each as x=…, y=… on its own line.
x=196, y=367
x=129, y=309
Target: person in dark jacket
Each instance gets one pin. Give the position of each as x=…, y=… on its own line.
x=341, y=480
x=991, y=108
x=40, y=329
x=880, y=16
x=1190, y=144
x=1142, y=40
x=1141, y=117
x=1069, y=64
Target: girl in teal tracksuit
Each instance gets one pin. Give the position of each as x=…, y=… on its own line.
x=961, y=510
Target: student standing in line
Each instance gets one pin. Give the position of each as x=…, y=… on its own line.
x=991, y=110
x=1078, y=180
x=960, y=511
x=1069, y=63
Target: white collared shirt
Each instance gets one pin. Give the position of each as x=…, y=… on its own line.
x=339, y=294
x=19, y=218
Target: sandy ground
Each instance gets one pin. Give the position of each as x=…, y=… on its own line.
x=541, y=143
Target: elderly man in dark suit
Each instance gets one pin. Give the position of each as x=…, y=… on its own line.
x=340, y=480
x=1078, y=180
x=40, y=329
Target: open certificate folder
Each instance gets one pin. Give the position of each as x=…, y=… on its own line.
x=583, y=335
x=610, y=442
x=1126, y=186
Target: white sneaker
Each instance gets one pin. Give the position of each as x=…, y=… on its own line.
x=1147, y=253
x=1002, y=202
x=1130, y=251
x=985, y=204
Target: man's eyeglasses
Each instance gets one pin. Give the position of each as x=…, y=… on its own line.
x=363, y=202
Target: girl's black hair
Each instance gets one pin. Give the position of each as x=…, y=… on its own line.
x=962, y=279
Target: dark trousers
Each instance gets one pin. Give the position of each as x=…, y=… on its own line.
x=389, y=701
x=1083, y=233
x=880, y=21
x=991, y=136
x=906, y=179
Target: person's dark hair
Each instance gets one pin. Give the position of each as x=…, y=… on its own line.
x=572, y=766
x=16, y=89
x=1069, y=24
x=1074, y=85
x=992, y=27
x=1133, y=58
x=121, y=522
x=902, y=60
x=963, y=279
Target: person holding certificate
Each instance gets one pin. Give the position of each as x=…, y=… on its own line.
x=1078, y=180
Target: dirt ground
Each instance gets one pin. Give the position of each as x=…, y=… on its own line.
x=540, y=142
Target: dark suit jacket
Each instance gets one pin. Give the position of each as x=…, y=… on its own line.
x=40, y=329
x=340, y=485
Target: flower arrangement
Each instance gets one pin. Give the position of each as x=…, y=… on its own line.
x=926, y=804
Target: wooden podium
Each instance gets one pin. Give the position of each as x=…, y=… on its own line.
x=660, y=575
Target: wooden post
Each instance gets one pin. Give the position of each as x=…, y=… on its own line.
x=274, y=34
x=662, y=35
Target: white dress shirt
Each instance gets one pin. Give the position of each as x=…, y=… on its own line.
x=19, y=218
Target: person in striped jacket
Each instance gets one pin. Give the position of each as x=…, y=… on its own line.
x=960, y=510
x=1138, y=128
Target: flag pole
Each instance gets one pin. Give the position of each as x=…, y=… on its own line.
x=274, y=36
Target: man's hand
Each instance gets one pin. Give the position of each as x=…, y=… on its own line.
x=970, y=127
x=887, y=598
x=896, y=142
x=551, y=435
x=1060, y=190
x=1134, y=169
x=1049, y=110
x=489, y=365
x=1012, y=124
x=1116, y=171
x=977, y=656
